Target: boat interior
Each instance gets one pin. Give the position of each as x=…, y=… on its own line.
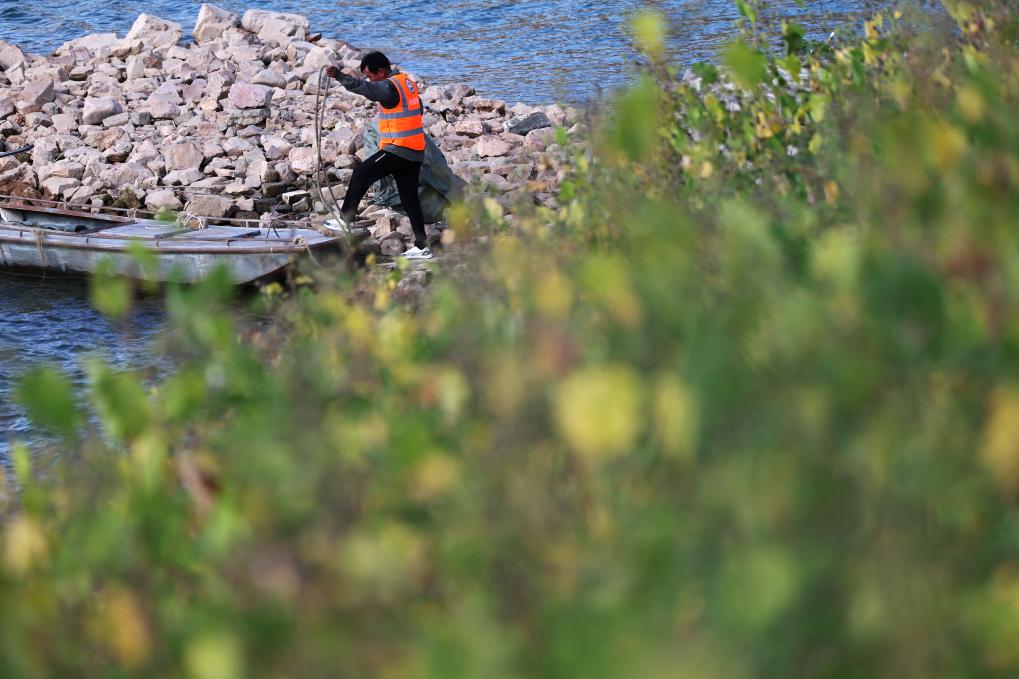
x=114, y=226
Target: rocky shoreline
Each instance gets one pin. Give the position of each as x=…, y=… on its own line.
x=223, y=126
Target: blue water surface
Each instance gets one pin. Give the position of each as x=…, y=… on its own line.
x=536, y=52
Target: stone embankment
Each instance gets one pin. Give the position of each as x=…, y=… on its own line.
x=224, y=126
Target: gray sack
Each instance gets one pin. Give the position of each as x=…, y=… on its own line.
x=437, y=188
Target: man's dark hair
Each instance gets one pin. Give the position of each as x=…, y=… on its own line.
x=373, y=61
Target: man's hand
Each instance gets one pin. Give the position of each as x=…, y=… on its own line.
x=333, y=72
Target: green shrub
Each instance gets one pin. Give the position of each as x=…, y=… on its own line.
x=746, y=404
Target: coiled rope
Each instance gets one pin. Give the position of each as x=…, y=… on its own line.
x=332, y=203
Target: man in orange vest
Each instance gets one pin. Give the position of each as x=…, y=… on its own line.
x=401, y=142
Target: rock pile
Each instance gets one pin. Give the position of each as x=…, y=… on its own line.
x=225, y=125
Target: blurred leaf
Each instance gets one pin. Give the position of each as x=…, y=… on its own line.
x=111, y=292
x=747, y=65
x=792, y=36
x=648, y=29
x=49, y=398
x=122, y=403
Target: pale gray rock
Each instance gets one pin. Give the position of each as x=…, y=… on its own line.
x=128, y=174
x=65, y=122
x=212, y=23
x=269, y=79
x=247, y=95
x=144, y=152
x=11, y=55
x=539, y=139
x=471, y=127
x=169, y=91
x=276, y=148
x=249, y=117
x=490, y=147
x=135, y=67
x=210, y=206
x=162, y=199
x=183, y=177
x=118, y=152
x=34, y=95
x=161, y=109
x=98, y=109
x=68, y=169
x=182, y=156
x=6, y=107
x=95, y=43
x=303, y=160
x=81, y=195
x=117, y=120
x=254, y=19
x=56, y=187
x=318, y=57
x=154, y=32
x=235, y=147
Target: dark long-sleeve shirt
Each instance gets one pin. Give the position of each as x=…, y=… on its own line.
x=385, y=93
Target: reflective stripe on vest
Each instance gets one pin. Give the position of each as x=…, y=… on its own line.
x=403, y=124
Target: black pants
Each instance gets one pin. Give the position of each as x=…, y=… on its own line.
x=405, y=172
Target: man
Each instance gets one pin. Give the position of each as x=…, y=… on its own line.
x=401, y=142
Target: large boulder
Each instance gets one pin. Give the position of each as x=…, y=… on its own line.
x=162, y=199
x=34, y=95
x=183, y=156
x=154, y=32
x=246, y=95
x=98, y=109
x=318, y=57
x=10, y=55
x=97, y=42
x=303, y=160
x=212, y=23
x=124, y=175
x=208, y=205
x=275, y=27
x=491, y=147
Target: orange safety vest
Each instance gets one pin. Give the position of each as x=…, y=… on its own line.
x=403, y=125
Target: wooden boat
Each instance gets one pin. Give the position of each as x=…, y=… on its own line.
x=66, y=241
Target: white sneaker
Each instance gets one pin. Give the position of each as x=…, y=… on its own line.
x=418, y=253
x=338, y=225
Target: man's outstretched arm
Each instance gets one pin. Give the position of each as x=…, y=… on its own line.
x=384, y=91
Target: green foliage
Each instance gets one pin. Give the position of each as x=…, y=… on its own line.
x=745, y=404
x=49, y=399
x=748, y=65
x=111, y=293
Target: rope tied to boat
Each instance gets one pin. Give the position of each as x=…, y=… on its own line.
x=190, y=221
x=331, y=202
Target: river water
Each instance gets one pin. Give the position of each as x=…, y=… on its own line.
x=532, y=51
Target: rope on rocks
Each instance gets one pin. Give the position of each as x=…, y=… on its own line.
x=190, y=221
x=331, y=203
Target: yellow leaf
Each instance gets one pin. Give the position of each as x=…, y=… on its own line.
x=434, y=477
x=598, y=410
x=815, y=144
x=214, y=656
x=124, y=627
x=1000, y=451
x=831, y=192
x=675, y=418
x=24, y=544
x=554, y=294
x=972, y=105
x=707, y=170
x=948, y=143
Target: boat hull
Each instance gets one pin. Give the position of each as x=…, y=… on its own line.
x=171, y=253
